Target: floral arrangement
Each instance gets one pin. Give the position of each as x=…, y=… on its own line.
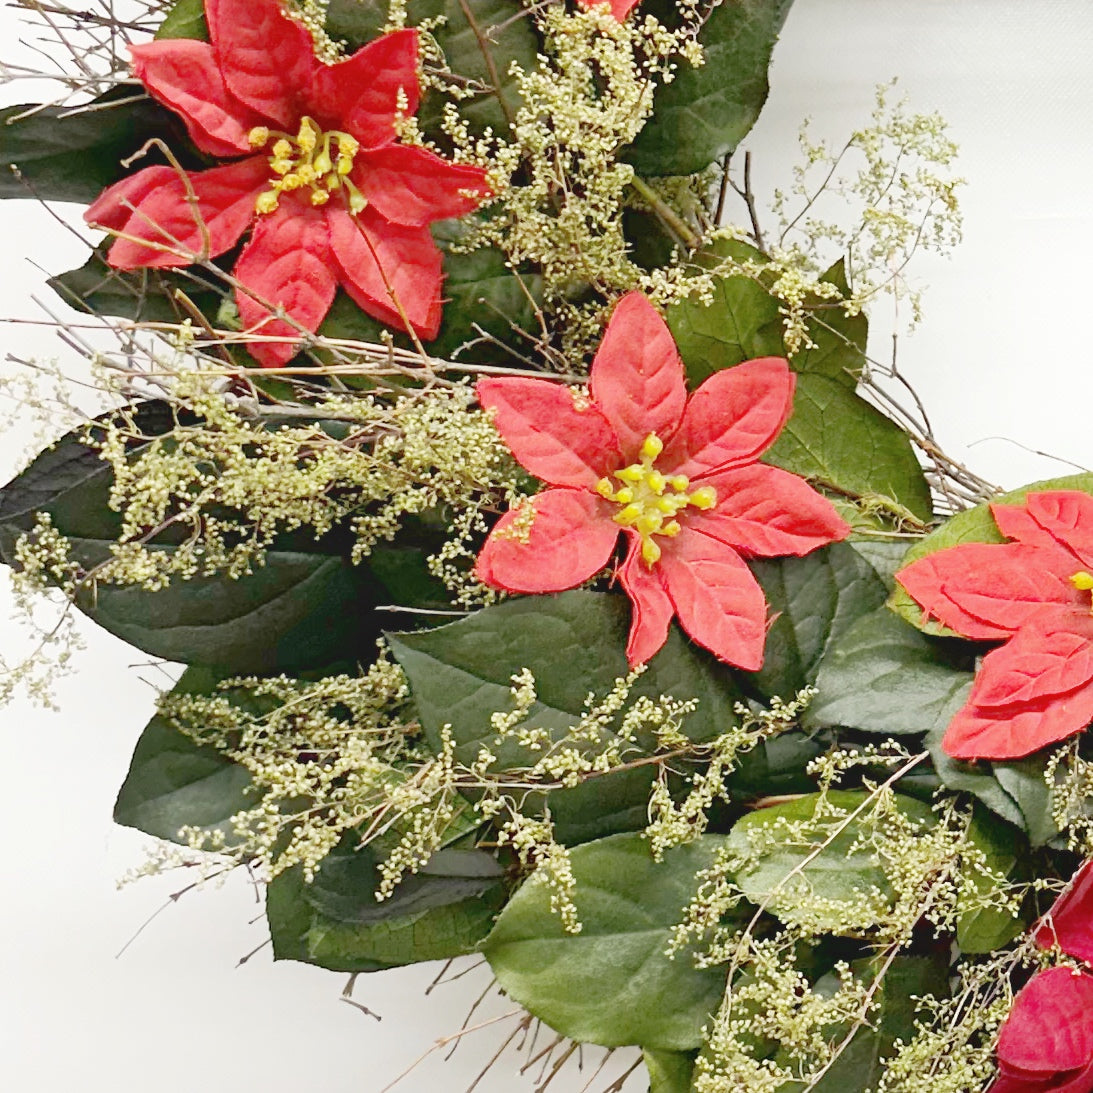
x=557, y=578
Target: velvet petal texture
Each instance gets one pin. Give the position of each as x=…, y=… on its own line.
x=691, y=568
x=259, y=72
x=1037, y=688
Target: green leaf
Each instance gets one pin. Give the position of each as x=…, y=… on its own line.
x=74, y=153
x=461, y=673
x=611, y=984
x=173, y=782
x=881, y=676
x=813, y=601
x=777, y=766
x=186, y=19
x=837, y=440
x=840, y=339
x=705, y=112
x=972, y=526
x=669, y=1071
x=1024, y=781
x=784, y=875
x=982, y=929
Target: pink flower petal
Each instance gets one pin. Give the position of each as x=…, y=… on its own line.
x=286, y=264
x=414, y=186
x=1067, y=515
x=619, y=8
x=1014, y=522
x=570, y=539
x=1012, y=732
x=1069, y=923
x=989, y=590
x=391, y=271
x=651, y=606
x=1015, y=1080
x=163, y=216
x=1050, y=1027
x=184, y=76
x=719, y=603
x=637, y=375
x=1037, y=662
x=361, y=94
x=732, y=418
x=560, y=438
x=266, y=57
x=765, y=512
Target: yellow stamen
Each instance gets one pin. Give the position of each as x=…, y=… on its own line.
x=650, y=551
x=704, y=498
x=1082, y=580
x=258, y=136
x=652, y=446
x=319, y=197
x=267, y=202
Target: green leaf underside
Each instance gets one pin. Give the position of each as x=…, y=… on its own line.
x=972, y=526
x=702, y=115
x=781, y=876
x=669, y=1071
x=611, y=984
x=461, y=673
x=186, y=19
x=882, y=677
x=984, y=929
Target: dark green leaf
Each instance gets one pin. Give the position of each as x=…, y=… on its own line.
x=461, y=673
x=669, y=1071
x=840, y=339
x=611, y=984
x=840, y=868
x=186, y=19
x=705, y=112
x=174, y=782
x=882, y=676
x=814, y=600
x=837, y=440
x=777, y=766
x=972, y=526
x=974, y=778
x=1024, y=781
x=982, y=929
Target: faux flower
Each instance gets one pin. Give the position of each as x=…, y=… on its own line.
x=333, y=198
x=1069, y=924
x=678, y=476
x=1034, y=594
x=1046, y=1042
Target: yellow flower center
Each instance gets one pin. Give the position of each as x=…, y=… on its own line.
x=1083, y=582
x=312, y=159
x=650, y=501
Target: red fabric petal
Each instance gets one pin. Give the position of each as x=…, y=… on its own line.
x=1067, y=515
x=651, y=606
x=1037, y=662
x=381, y=262
x=1014, y=522
x=1050, y=1027
x=287, y=264
x=414, y=186
x=637, y=375
x=1012, y=732
x=766, y=512
x=732, y=418
x=1069, y=923
x=718, y=601
x=361, y=94
x=162, y=214
x=570, y=539
x=988, y=590
x=619, y=8
x=268, y=59
x=184, y=76
x=559, y=439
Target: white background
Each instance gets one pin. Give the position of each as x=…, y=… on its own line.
x=1002, y=352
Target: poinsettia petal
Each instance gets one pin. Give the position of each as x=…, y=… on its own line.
x=767, y=512
x=1015, y=1080
x=619, y=8
x=637, y=375
x=414, y=186
x=163, y=217
x=382, y=263
x=732, y=418
x=1050, y=1027
x=1038, y=661
x=570, y=539
x=1012, y=732
x=651, y=607
x=1067, y=515
x=719, y=603
x=184, y=76
x=1014, y=522
x=988, y=590
x=1069, y=923
x=267, y=58
x=361, y=94
x=287, y=264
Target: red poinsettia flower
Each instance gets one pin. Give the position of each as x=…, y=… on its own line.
x=1069, y=924
x=1046, y=1042
x=1033, y=593
x=678, y=477
x=334, y=199
x=620, y=9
